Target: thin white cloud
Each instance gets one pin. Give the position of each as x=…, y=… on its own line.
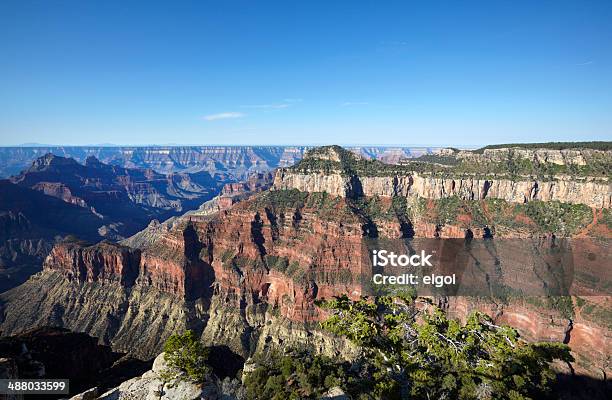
x=585, y=63
x=267, y=106
x=354, y=103
x=225, y=115
x=286, y=103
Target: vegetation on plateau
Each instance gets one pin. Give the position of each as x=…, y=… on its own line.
x=563, y=219
x=554, y=216
x=512, y=166
x=297, y=375
x=283, y=200
x=349, y=164
x=408, y=354
x=605, y=146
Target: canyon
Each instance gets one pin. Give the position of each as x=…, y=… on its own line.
x=122, y=196
x=56, y=197
x=247, y=273
x=238, y=161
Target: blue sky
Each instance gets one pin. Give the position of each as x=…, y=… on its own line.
x=305, y=72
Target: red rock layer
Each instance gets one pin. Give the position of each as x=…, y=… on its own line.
x=287, y=256
x=105, y=262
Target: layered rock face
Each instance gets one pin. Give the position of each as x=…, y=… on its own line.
x=248, y=276
x=254, y=183
x=233, y=193
x=171, y=266
x=234, y=277
x=594, y=192
x=542, y=155
x=103, y=263
x=260, y=266
x=121, y=201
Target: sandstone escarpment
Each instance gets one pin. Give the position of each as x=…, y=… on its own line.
x=593, y=193
x=335, y=171
x=540, y=155
x=260, y=264
x=139, y=320
x=105, y=262
x=264, y=263
x=173, y=266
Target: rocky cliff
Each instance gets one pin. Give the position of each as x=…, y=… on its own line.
x=317, y=176
x=558, y=156
x=104, y=263
x=593, y=193
x=248, y=276
x=258, y=266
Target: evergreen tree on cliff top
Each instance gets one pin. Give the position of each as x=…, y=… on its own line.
x=425, y=355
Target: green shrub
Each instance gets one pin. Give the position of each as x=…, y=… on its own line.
x=227, y=255
x=278, y=263
x=295, y=375
x=185, y=354
x=557, y=217
x=282, y=199
x=563, y=304
x=293, y=267
x=447, y=209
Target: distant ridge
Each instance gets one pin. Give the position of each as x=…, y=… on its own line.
x=595, y=145
x=237, y=161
